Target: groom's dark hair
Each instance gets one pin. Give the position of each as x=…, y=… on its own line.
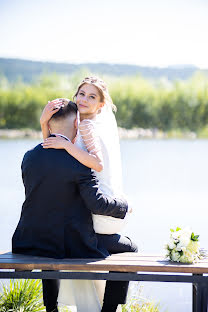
x=66, y=110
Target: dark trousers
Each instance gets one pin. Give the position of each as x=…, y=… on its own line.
x=50, y=294
x=115, y=291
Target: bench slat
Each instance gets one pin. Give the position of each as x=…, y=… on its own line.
x=110, y=267
x=130, y=257
x=119, y=262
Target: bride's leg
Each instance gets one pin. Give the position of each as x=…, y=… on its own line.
x=80, y=295
x=66, y=293
x=87, y=299
x=100, y=288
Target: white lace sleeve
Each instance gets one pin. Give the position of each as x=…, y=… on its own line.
x=90, y=138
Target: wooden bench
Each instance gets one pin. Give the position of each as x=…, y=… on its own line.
x=126, y=266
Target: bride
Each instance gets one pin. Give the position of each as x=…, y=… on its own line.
x=97, y=147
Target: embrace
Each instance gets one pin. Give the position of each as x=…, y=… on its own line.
x=74, y=206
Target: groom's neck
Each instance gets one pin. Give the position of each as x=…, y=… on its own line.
x=64, y=132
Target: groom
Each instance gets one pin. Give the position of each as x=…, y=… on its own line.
x=56, y=219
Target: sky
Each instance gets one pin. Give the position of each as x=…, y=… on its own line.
x=156, y=33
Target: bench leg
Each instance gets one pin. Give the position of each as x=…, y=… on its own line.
x=200, y=297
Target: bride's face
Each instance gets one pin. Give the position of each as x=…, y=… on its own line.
x=88, y=99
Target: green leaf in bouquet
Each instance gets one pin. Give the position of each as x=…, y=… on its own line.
x=178, y=229
x=194, y=238
x=172, y=230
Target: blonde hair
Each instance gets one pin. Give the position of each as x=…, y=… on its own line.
x=102, y=89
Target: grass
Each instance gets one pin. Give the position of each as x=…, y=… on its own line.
x=22, y=296
x=26, y=296
x=137, y=303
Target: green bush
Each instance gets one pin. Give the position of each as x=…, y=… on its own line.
x=141, y=103
x=22, y=296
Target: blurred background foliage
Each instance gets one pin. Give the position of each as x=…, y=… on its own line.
x=141, y=102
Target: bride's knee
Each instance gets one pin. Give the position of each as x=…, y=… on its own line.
x=133, y=246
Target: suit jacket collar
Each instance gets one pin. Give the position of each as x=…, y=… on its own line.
x=63, y=136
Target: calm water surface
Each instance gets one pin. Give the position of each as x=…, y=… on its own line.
x=166, y=182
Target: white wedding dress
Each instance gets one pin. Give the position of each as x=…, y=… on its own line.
x=84, y=295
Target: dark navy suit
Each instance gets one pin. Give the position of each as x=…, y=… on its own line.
x=56, y=217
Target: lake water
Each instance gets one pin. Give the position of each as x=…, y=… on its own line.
x=166, y=182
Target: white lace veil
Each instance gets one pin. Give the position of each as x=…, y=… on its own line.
x=108, y=132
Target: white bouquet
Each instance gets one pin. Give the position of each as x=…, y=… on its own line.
x=183, y=246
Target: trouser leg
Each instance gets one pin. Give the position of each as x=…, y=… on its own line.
x=50, y=294
x=116, y=291
x=116, y=243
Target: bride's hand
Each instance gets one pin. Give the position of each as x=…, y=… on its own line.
x=50, y=109
x=65, y=101
x=55, y=142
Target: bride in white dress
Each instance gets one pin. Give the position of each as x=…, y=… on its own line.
x=97, y=147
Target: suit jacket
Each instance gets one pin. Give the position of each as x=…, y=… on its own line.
x=60, y=195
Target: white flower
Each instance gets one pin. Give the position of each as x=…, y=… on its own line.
x=175, y=255
x=187, y=257
x=184, y=240
x=178, y=247
x=183, y=243
x=183, y=246
x=171, y=244
x=175, y=235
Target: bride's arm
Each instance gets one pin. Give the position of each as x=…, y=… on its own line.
x=91, y=159
x=45, y=130
x=91, y=140
x=49, y=110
